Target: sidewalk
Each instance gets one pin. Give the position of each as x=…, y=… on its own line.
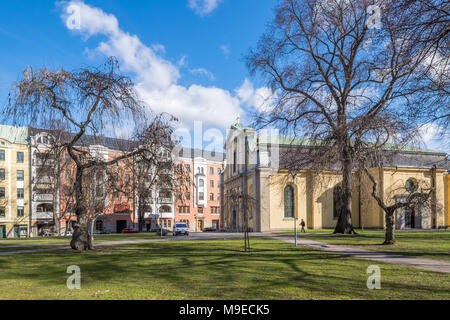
x=403, y=260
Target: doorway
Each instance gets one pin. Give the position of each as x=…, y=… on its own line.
x=121, y=224
x=200, y=225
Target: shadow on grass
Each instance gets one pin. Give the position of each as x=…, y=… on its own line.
x=211, y=270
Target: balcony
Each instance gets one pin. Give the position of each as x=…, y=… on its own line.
x=165, y=215
x=43, y=197
x=42, y=215
x=165, y=200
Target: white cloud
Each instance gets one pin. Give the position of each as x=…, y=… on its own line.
x=435, y=137
x=226, y=50
x=203, y=7
x=157, y=78
x=262, y=99
x=203, y=72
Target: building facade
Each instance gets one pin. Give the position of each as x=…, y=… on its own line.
x=261, y=194
x=14, y=182
x=198, y=193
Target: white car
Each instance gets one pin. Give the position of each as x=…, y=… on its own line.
x=67, y=234
x=180, y=228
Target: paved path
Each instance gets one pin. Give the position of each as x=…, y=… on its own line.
x=410, y=261
x=403, y=260
x=193, y=236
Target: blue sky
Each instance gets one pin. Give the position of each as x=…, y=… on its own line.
x=185, y=56
x=194, y=49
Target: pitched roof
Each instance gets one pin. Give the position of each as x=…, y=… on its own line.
x=13, y=134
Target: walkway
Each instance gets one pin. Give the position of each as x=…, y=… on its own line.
x=403, y=260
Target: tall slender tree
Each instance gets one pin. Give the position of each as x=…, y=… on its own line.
x=340, y=71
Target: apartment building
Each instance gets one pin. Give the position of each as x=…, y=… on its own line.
x=35, y=184
x=14, y=182
x=199, y=203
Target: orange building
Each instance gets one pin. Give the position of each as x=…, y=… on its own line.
x=198, y=203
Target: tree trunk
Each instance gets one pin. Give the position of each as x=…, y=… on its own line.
x=344, y=224
x=141, y=215
x=390, y=236
x=81, y=238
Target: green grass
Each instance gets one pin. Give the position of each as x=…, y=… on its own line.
x=434, y=245
x=66, y=240
x=211, y=269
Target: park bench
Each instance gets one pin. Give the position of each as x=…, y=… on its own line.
x=442, y=227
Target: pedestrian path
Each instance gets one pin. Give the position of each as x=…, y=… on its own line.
x=403, y=260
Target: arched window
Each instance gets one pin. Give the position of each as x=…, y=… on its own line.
x=165, y=209
x=289, y=202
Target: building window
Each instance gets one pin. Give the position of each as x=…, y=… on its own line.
x=20, y=176
x=2, y=155
x=211, y=170
x=211, y=183
x=337, y=203
x=20, y=193
x=212, y=210
x=211, y=196
x=188, y=168
x=20, y=212
x=234, y=162
x=2, y=212
x=2, y=174
x=188, y=196
x=201, y=196
x=289, y=202
x=99, y=225
x=169, y=223
x=165, y=209
x=179, y=167
x=68, y=174
x=2, y=193
x=200, y=210
x=201, y=183
x=20, y=157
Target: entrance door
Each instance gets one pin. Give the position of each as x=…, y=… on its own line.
x=16, y=232
x=2, y=232
x=121, y=224
x=200, y=225
x=410, y=219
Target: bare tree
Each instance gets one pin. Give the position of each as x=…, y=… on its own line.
x=338, y=79
x=90, y=101
x=152, y=169
x=239, y=198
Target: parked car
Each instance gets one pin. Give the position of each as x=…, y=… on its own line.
x=126, y=230
x=211, y=229
x=158, y=231
x=67, y=234
x=180, y=228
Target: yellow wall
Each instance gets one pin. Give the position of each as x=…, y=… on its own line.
x=447, y=199
x=313, y=200
x=314, y=196
x=10, y=202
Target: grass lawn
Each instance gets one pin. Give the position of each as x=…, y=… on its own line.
x=435, y=245
x=66, y=240
x=212, y=269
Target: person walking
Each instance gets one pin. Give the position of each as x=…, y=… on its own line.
x=303, y=224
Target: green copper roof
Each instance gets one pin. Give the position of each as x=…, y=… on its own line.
x=12, y=134
x=289, y=141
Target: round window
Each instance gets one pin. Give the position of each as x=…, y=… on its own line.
x=411, y=185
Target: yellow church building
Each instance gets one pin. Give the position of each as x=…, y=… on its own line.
x=259, y=192
x=14, y=182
